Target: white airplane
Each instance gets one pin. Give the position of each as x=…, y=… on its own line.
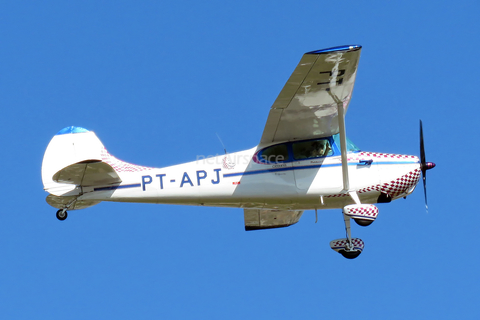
x=304, y=161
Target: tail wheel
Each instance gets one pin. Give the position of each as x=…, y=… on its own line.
x=62, y=214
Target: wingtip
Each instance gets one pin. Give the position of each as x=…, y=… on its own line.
x=352, y=47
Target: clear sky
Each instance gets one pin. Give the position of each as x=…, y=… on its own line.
x=156, y=80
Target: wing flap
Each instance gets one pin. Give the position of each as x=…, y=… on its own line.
x=256, y=219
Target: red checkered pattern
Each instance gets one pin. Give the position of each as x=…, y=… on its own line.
x=368, y=211
x=119, y=165
x=341, y=244
x=378, y=156
x=337, y=195
x=398, y=186
x=393, y=188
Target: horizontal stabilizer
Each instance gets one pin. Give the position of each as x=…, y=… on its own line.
x=87, y=173
x=59, y=189
x=61, y=202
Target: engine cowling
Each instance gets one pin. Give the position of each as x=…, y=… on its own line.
x=363, y=214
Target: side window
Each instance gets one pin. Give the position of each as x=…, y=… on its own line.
x=278, y=153
x=312, y=149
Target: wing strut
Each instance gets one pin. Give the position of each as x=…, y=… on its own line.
x=343, y=140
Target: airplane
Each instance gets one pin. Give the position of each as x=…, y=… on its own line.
x=304, y=161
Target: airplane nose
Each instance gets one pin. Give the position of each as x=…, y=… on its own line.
x=429, y=165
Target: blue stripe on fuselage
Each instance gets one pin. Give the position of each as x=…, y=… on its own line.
x=125, y=186
x=316, y=166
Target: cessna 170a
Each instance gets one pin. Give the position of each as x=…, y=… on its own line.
x=304, y=161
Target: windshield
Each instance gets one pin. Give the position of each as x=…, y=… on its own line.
x=351, y=147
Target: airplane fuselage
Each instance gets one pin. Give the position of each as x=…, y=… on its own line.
x=238, y=180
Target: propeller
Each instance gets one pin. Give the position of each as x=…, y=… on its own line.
x=424, y=166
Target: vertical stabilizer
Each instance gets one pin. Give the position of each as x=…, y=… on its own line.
x=70, y=146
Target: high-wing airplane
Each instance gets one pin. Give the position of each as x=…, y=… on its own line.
x=304, y=161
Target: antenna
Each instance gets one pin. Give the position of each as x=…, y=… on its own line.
x=224, y=149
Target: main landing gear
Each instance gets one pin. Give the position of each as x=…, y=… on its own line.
x=364, y=215
x=348, y=247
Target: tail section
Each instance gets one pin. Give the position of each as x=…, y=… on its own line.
x=73, y=159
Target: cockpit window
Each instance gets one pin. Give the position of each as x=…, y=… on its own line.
x=351, y=147
x=312, y=149
x=278, y=153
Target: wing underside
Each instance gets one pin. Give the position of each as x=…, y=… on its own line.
x=256, y=219
x=307, y=105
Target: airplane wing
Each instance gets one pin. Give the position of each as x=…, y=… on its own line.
x=256, y=219
x=307, y=105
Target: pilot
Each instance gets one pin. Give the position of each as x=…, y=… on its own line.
x=318, y=149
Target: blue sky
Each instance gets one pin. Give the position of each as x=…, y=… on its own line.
x=156, y=81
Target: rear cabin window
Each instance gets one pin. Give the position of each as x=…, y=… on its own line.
x=312, y=149
x=278, y=153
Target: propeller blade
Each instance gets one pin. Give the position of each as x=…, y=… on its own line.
x=424, y=173
x=422, y=147
x=423, y=165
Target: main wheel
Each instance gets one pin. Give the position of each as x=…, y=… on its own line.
x=363, y=222
x=61, y=215
x=350, y=254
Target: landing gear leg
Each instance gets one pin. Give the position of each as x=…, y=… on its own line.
x=350, y=252
x=348, y=247
x=348, y=233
